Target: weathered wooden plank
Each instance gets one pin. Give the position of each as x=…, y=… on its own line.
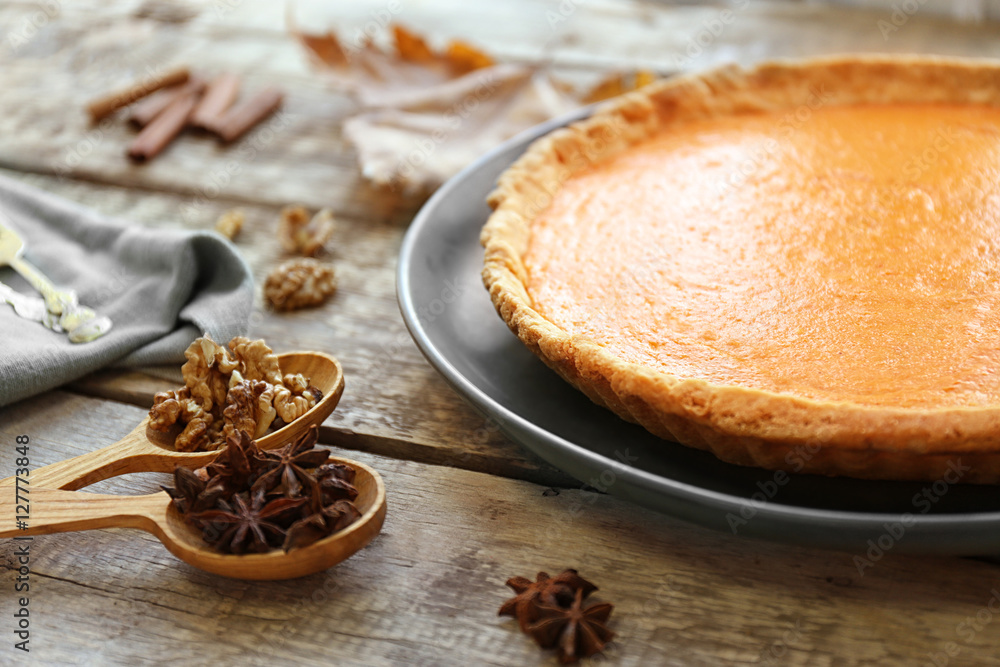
x=425, y=592
x=395, y=404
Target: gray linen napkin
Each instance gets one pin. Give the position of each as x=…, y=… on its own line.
x=161, y=288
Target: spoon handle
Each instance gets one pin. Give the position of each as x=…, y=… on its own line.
x=55, y=511
x=133, y=453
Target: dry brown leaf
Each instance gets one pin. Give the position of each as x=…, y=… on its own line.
x=325, y=49
x=417, y=150
x=466, y=58
x=430, y=113
x=406, y=76
x=412, y=47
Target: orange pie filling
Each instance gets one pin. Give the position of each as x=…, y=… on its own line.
x=850, y=255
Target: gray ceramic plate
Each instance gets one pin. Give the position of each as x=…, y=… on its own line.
x=450, y=316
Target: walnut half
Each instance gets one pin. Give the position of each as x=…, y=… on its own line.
x=230, y=223
x=176, y=409
x=299, y=283
x=303, y=235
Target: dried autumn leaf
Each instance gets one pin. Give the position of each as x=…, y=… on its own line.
x=430, y=113
x=466, y=58
x=412, y=47
x=326, y=49
x=418, y=149
x=404, y=77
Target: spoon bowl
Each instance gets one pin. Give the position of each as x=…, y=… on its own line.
x=185, y=542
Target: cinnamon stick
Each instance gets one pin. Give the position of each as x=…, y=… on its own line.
x=241, y=118
x=111, y=102
x=155, y=136
x=219, y=96
x=145, y=111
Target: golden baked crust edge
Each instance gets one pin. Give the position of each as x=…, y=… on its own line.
x=740, y=425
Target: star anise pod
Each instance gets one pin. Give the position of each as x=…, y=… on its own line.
x=187, y=487
x=238, y=464
x=577, y=632
x=327, y=521
x=288, y=464
x=191, y=493
x=341, y=471
x=336, y=482
x=322, y=519
x=554, y=591
x=246, y=525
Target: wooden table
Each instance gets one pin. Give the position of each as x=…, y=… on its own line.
x=467, y=507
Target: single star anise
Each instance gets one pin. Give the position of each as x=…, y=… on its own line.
x=288, y=464
x=238, y=464
x=248, y=525
x=555, y=591
x=336, y=482
x=191, y=492
x=576, y=631
x=340, y=471
x=322, y=520
x=315, y=527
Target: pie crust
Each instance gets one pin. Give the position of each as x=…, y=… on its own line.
x=740, y=424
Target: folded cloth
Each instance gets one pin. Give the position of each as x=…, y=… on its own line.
x=162, y=288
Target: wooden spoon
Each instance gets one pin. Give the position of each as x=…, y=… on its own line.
x=143, y=450
x=57, y=511
x=54, y=508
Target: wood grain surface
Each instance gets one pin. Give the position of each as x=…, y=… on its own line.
x=426, y=591
x=467, y=507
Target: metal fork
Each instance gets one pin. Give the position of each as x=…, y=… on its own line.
x=82, y=323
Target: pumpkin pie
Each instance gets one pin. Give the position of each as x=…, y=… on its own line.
x=795, y=266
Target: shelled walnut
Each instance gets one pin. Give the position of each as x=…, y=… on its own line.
x=172, y=408
x=299, y=283
x=230, y=223
x=227, y=391
x=303, y=235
